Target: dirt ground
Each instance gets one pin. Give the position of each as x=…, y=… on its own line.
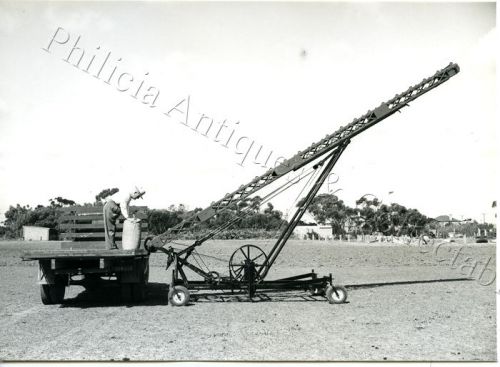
x=405, y=302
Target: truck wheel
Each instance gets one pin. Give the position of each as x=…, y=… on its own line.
x=126, y=292
x=92, y=282
x=146, y=273
x=339, y=297
x=45, y=294
x=178, y=295
x=138, y=292
x=52, y=294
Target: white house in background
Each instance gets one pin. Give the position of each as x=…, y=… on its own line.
x=443, y=220
x=31, y=233
x=310, y=230
x=313, y=232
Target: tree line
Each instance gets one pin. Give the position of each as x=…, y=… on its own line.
x=247, y=219
x=369, y=216
x=252, y=218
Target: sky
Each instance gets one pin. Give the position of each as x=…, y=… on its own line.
x=199, y=88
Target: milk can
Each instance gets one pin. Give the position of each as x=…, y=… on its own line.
x=131, y=235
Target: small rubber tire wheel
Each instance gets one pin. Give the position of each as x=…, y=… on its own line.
x=178, y=296
x=339, y=297
x=52, y=294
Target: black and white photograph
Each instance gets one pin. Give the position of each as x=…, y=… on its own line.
x=290, y=181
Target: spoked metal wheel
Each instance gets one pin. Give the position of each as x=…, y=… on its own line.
x=245, y=255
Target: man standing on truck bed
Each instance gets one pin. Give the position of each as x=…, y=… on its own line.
x=115, y=205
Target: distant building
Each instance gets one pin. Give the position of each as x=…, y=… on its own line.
x=313, y=232
x=31, y=233
x=443, y=220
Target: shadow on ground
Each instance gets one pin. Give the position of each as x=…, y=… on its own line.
x=405, y=282
x=157, y=295
x=110, y=295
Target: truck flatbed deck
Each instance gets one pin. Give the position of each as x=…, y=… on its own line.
x=82, y=254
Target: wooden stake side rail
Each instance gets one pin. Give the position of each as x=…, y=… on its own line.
x=69, y=235
x=90, y=217
x=84, y=223
x=98, y=209
x=97, y=224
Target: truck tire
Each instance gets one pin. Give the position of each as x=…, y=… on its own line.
x=92, y=282
x=45, y=294
x=126, y=292
x=146, y=272
x=138, y=292
x=52, y=294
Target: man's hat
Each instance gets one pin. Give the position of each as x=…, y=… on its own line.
x=139, y=191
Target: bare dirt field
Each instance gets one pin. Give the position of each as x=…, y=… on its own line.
x=405, y=303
